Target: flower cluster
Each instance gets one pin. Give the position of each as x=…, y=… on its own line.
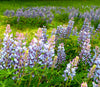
x=69, y=28
x=85, y=32
x=44, y=36
x=61, y=54
x=7, y=50
x=41, y=52
x=20, y=49
x=85, y=52
x=16, y=55
x=64, y=32
x=73, y=12
x=46, y=13
x=34, y=12
x=70, y=69
x=95, y=70
x=96, y=51
x=93, y=14
x=84, y=40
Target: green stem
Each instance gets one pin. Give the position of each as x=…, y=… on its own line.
x=77, y=81
x=39, y=82
x=70, y=80
x=66, y=82
x=30, y=79
x=23, y=73
x=18, y=77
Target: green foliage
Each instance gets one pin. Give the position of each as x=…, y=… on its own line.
x=43, y=77
x=33, y=22
x=78, y=23
x=61, y=17
x=95, y=23
x=71, y=45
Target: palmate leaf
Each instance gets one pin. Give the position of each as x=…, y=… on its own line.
x=6, y=73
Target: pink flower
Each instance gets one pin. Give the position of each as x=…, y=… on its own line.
x=8, y=30
x=84, y=84
x=20, y=36
x=39, y=33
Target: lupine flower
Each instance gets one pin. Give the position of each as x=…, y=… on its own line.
x=69, y=28
x=91, y=72
x=61, y=54
x=84, y=40
x=73, y=13
x=19, y=13
x=92, y=15
x=41, y=52
x=75, y=61
x=70, y=69
x=60, y=32
x=14, y=54
x=84, y=84
x=96, y=51
x=96, y=60
x=25, y=58
x=44, y=36
x=85, y=31
x=7, y=13
x=39, y=12
x=39, y=33
x=64, y=32
x=94, y=84
x=8, y=30
x=8, y=50
x=51, y=41
x=85, y=51
x=35, y=47
x=46, y=13
x=20, y=48
x=97, y=71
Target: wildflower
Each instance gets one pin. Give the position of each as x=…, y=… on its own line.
x=94, y=84
x=91, y=72
x=84, y=84
x=41, y=52
x=61, y=53
x=70, y=69
x=7, y=50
